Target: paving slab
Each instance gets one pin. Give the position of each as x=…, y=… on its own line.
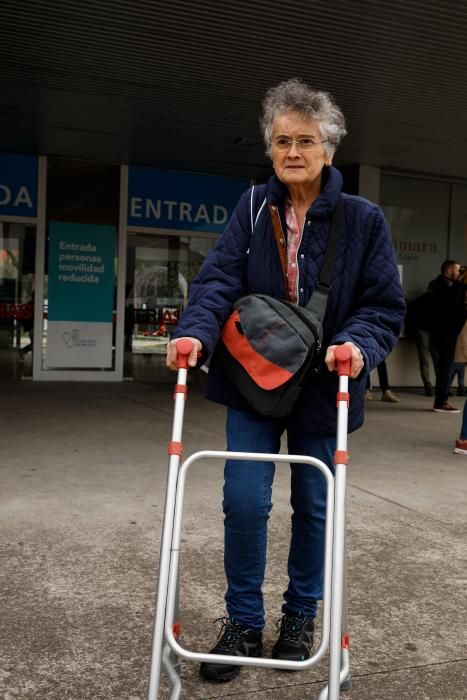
x=83, y=473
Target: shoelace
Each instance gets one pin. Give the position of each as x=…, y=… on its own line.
x=290, y=627
x=231, y=633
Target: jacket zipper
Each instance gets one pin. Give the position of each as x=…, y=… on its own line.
x=297, y=295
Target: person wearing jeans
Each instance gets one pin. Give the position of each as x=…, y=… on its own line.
x=461, y=356
x=386, y=393
x=274, y=244
x=458, y=370
x=447, y=309
x=247, y=503
x=424, y=351
x=461, y=444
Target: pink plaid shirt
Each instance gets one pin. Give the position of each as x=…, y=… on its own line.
x=294, y=237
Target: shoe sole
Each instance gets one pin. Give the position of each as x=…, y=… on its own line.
x=460, y=451
x=220, y=678
x=213, y=674
x=284, y=657
x=442, y=410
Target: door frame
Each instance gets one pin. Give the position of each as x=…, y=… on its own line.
x=95, y=375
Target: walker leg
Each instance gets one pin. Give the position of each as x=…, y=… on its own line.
x=167, y=535
x=335, y=644
x=339, y=638
x=164, y=567
x=345, y=678
x=173, y=672
x=170, y=660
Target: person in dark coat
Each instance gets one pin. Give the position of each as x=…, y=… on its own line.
x=302, y=128
x=417, y=323
x=447, y=316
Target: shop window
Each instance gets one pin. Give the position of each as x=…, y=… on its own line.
x=160, y=269
x=458, y=220
x=417, y=212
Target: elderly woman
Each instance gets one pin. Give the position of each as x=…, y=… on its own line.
x=302, y=128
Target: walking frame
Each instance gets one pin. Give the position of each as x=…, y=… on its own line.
x=166, y=648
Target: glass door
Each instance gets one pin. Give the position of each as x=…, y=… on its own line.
x=160, y=269
x=17, y=264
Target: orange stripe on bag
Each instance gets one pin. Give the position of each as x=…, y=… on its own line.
x=266, y=374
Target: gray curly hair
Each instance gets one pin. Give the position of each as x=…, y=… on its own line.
x=294, y=95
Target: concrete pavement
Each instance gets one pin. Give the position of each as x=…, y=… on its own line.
x=83, y=471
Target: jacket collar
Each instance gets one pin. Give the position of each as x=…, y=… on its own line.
x=322, y=207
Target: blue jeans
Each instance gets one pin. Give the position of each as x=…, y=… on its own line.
x=247, y=504
x=463, y=435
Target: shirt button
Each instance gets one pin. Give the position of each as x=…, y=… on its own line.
x=293, y=265
x=301, y=290
x=308, y=223
x=302, y=256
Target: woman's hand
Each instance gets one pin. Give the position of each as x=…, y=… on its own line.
x=356, y=361
x=171, y=360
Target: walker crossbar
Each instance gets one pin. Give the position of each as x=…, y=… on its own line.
x=174, y=561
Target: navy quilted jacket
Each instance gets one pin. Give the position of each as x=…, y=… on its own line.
x=365, y=304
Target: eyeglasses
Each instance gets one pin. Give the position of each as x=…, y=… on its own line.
x=302, y=144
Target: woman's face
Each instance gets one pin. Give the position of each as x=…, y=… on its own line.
x=296, y=166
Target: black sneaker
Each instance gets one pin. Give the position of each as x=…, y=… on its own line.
x=295, y=638
x=236, y=641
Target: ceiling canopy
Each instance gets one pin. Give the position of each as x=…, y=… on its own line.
x=178, y=83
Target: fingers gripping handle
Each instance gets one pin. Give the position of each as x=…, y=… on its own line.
x=184, y=349
x=343, y=355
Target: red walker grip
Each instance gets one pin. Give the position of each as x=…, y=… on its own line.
x=343, y=355
x=184, y=348
x=345, y=641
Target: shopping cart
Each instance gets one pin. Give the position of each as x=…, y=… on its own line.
x=166, y=647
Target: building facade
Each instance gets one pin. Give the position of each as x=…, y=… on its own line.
x=96, y=259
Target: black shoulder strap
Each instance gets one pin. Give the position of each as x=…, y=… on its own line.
x=324, y=283
x=318, y=300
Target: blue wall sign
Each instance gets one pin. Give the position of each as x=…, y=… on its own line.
x=81, y=272
x=18, y=185
x=168, y=199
